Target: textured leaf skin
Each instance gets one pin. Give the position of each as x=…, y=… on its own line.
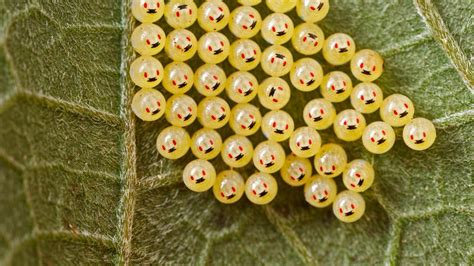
x=81, y=181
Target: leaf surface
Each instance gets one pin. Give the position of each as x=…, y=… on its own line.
x=81, y=180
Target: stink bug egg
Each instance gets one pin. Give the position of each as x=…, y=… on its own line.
x=199, y=175
x=331, y=160
x=148, y=39
x=274, y=93
x=210, y=80
x=277, y=28
x=320, y=191
x=213, y=112
x=146, y=72
x=245, y=119
x=178, y=78
x=173, y=142
x=261, y=188
x=245, y=22
x=237, y=151
x=180, y=14
x=181, y=110
x=349, y=206
x=148, y=104
x=148, y=11
x=277, y=125
x=296, y=171
x=213, y=47
x=419, y=134
x=213, y=15
x=206, y=143
x=242, y=87
x=268, y=156
x=305, y=142
x=229, y=187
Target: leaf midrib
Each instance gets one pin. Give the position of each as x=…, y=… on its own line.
x=128, y=174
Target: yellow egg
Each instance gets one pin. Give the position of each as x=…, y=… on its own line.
x=305, y=142
x=366, y=97
x=306, y=74
x=397, y=110
x=146, y=72
x=268, y=156
x=308, y=39
x=378, y=137
x=213, y=112
x=336, y=86
x=173, y=142
x=358, y=176
x=339, y=49
x=319, y=114
x=245, y=22
x=367, y=65
x=419, y=134
x=349, y=206
x=213, y=15
x=277, y=28
x=274, y=93
x=320, y=191
x=199, y=175
x=296, y=171
x=210, y=80
x=180, y=13
x=181, y=110
x=281, y=6
x=249, y=2
x=181, y=45
x=261, y=188
x=206, y=144
x=277, y=125
x=276, y=60
x=331, y=160
x=213, y=47
x=245, y=119
x=237, y=151
x=245, y=54
x=148, y=104
x=349, y=125
x=148, y=39
x=312, y=10
x=242, y=87
x=229, y=187
x=148, y=11
x=178, y=78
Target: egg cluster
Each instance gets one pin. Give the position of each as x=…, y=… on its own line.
x=244, y=118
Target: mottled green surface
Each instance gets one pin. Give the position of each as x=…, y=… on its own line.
x=81, y=181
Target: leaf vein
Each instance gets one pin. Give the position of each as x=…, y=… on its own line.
x=290, y=235
x=7, y=158
x=405, y=45
x=393, y=246
x=157, y=181
x=84, y=110
x=129, y=177
x=434, y=211
x=64, y=167
x=466, y=115
x=82, y=235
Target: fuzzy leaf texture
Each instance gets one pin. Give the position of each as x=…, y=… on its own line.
x=81, y=181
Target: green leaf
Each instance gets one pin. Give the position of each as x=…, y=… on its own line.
x=82, y=183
